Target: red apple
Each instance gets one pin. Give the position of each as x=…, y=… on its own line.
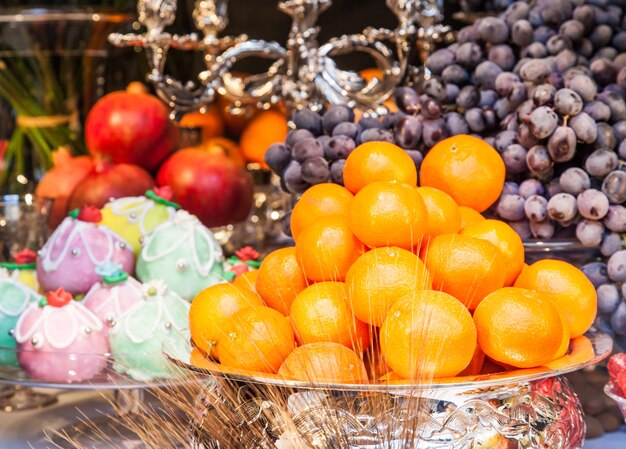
x=209, y=185
x=131, y=127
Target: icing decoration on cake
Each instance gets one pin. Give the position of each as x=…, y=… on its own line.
x=244, y=260
x=133, y=218
x=60, y=340
x=15, y=297
x=138, y=336
x=71, y=256
x=184, y=254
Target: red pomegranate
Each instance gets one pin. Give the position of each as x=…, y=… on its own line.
x=108, y=181
x=131, y=127
x=209, y=185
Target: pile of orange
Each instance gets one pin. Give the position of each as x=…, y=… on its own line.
x=391, y=280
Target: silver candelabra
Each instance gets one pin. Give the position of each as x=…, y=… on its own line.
x=302, y=73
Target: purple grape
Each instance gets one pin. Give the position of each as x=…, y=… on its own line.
x=611, y=244
x=510, y=188
x=597, y=273
x=536, y=208
x=553, y=188
x=619, y=41
x=524, y=111
x=452, y=91
x=598, y=111
x=621, y=150
x=609, y=298
x=504, y=139
x=585, y=48
x=509, y=122
x=408, y=132
x=592, y=204
x=614, y=187
x=292, y=178
x=335, y=115
x=543, y=121
x=369, y=123
x=347, y=129
x=469, y=97
x=542, y=34
x=522, y=227
x=376, y=135
x=338, y=147
x=455, y=74
x=315, y=170
x=285, y=224
x=601, y=36
x=456, y=124
x=615, y=219
x=535, y=70
x=296, y=135
x=488, y=98
x=525, y=137
x=511, y=207
x=502, y=55
x=390, y=120
x=616, y=266
x=431, y=109
x=493, y=30
x=589, y=233
x=538, y=159
x=600, y=163
x=605, y=140
x=518, y=94
x=515, y=12
x=336, y=171
x=585, y=127
x=562, y=144
x=543, y=230
x=505, y=82
x=475, y=120
x=306, y=148
x=503, y=108
x=439, y=60
x=606, y=52
x=586, y=15
x=615, y=103
x=309, y=120
x=574, y=181
x=522, y=33
x=556, y=12
x=543, y=94
x=535, y=50
x=565, y=59
x=469, y=55
x=567, y=102
x=603, y=70
x=433, y=131
x=618, y=319
x=435, y=88
x=574, y=30
x=583, y=85
x=562, y=207
x=277, y=157
x=529, y=187
x=514, y=158
x=468, y=34
x=620, y=130
x=486, y=73
x=416, y=156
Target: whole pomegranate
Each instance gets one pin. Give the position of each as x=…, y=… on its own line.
x=131, y=127
x=209, y=185
x=108, y=181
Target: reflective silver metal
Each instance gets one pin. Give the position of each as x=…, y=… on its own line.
x=302, y=73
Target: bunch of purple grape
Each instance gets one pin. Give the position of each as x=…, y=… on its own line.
x=544, y=83
x=316, y=151
x=609, y=279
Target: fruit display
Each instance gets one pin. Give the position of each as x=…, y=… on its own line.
x=384, y=269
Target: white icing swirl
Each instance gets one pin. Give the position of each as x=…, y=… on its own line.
x=114, y=295
x=193, y=230
x=76, y=318
x=138, y=205
x=78, y=229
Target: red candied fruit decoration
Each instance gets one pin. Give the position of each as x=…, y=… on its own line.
x=25, y=256
x=617, y=371
x=90, y=214
x=247, y=253
x=59, y=297
x=164, y=192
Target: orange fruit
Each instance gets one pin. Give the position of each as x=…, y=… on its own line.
x=467, y=168
x=256, y=339
x=224, y=147
x=265, y=129
x=247, y=280
x=519, y=327
x=503, y=237
x=469, y=216
x=378, y=161
x=444, y=215
x=465, y=267
x=320, y=200
x=567, y=287
x=327, y=248
x=211, y=122
x=324, y=363
x=280, y=279
x=388, y=214
x=320, y=313
x=211, y=308
x=379, y=277
x=428, y=334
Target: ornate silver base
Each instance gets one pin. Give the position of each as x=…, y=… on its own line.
x=537, y=414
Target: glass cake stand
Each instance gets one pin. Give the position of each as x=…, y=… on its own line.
x=129, y=397
x=522, y=409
